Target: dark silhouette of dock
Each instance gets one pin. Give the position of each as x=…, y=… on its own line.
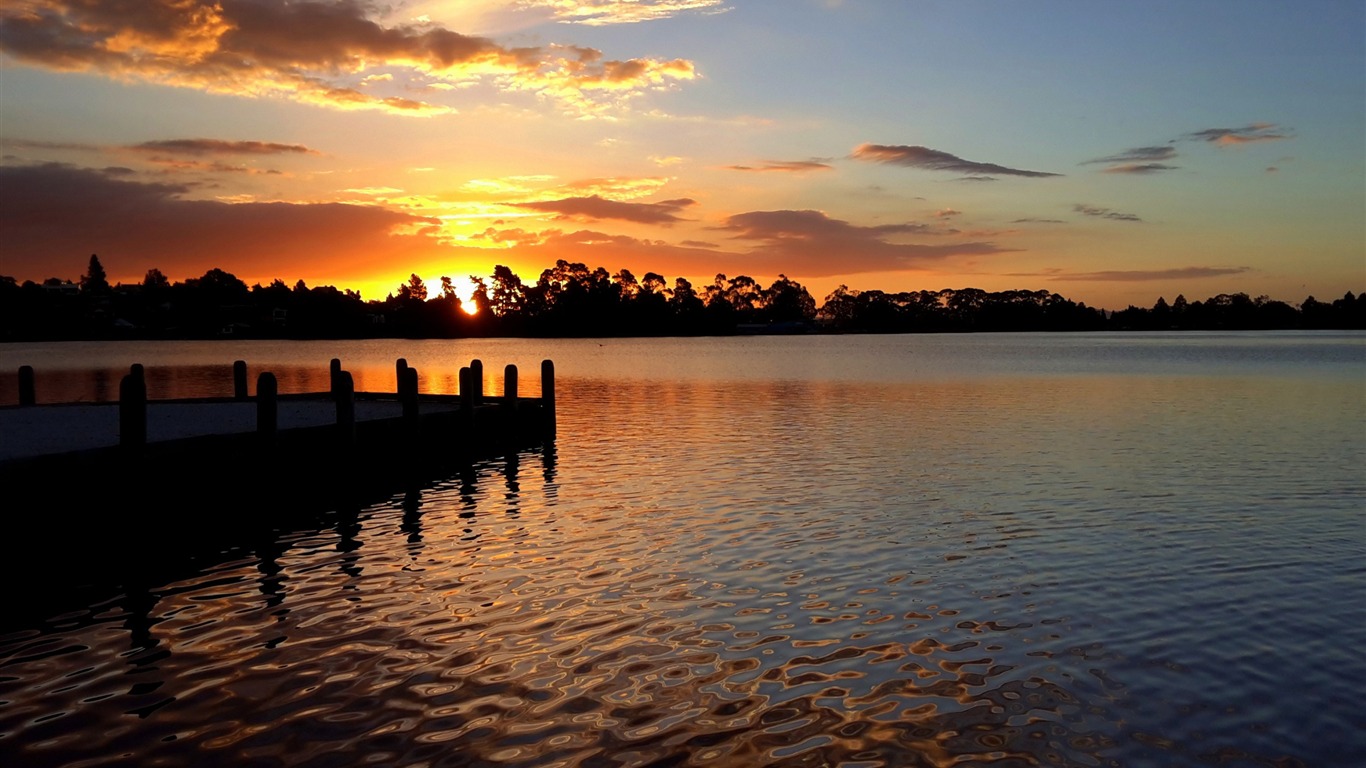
x=122, y=480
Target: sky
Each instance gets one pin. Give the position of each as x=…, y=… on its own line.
x=1109, y=152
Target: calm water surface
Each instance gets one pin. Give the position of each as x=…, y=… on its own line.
x=1073, y=550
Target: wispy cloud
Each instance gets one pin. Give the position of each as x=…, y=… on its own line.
x=935, y=160
x=312, y=52
x=1137, y=155
x=1138, y=160
x=1038, y=221
x=811, y=243
x=596, y=207
x=54, y=146
x=1229, y=137
x=1145, y=275
x=1141, y=168
x=1104, y=213
x=221, y=147
x=784, y=166
x=602, y=12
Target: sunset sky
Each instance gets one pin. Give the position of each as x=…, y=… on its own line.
x=1110, y=152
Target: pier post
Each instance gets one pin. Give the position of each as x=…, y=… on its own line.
x=345, y=392
x=239, y=380
x=334, y=370
x=510, y=387
x=477, y=378
x=548, y=394
x=400, y=365
x=407, y=395
x=27, y=392
x=467, y=399
x=133, y=409
x=267, y=405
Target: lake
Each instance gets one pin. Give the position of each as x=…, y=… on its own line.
x=1005, y=549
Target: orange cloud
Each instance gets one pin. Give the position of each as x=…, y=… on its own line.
x=313, y=52
x=53, y=216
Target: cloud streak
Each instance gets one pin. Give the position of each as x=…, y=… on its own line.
x=221, y=147
x=1232, y=137
x=1137, y=155
x=604, y=12
x=810, y=243
x=1148, y=275
x=935, y=160
x=783, y=166
x=1104, y=213
x=1141, y=168
x=596, y=207
x=320, y=53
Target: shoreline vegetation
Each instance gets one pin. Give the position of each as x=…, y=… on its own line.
x=572, y=300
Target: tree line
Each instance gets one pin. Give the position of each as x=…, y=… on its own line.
x=571, y=299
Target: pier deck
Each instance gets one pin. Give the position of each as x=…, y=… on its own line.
x=44, y=430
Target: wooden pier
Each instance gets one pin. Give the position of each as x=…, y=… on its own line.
x=182, y=469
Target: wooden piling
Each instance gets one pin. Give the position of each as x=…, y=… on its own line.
x=548, y=395
x=345, y=393
x=334, y=370
x=133, y=409
x=407, y=395
x=467, y=388
x=267, y=405
x=239, y=380
x=27, y=391
x=477, y=374
x=400, y=365
x=510, y=387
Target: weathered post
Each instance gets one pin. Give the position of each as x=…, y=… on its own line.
x=467, y=399
x=345, y=393
x=548, y=395
x=407, y=395
x=477, y=372
x=27, y=392
x=466, y=388
x=267, y=405
x=133, y=409
x=510, y=386
x=400, y=365
x=334, y=370
x=239, y=380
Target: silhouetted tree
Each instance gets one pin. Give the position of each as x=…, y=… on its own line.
x=94, y=280
x=413, y=290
